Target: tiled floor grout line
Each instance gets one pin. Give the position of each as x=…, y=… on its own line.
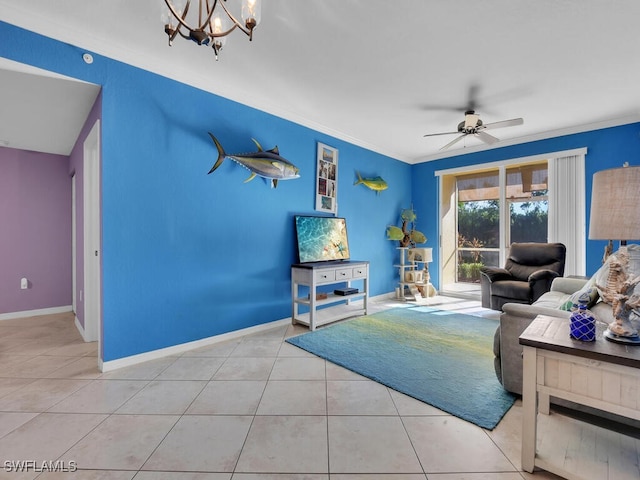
x=255, y=413
x=326, y=411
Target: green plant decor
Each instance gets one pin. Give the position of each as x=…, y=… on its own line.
x=469, y=268
x=469, y=272
x=407, y=235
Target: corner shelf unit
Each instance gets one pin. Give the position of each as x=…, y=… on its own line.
x=313, y=275
x=407, y=267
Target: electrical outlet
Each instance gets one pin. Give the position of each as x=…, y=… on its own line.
x=24, y=283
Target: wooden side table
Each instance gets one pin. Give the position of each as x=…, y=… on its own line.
x=600, y=374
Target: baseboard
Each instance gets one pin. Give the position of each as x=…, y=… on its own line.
x=79, y=327
x=34, y=313
x=184, y=347
x=168, y=351
x=384, y=296
x=461, y=295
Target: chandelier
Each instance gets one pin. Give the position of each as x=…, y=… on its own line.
x=211, y=23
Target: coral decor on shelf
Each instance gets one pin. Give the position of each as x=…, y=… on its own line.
x=407, y=235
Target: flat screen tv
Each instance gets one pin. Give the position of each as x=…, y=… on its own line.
x=321, y=239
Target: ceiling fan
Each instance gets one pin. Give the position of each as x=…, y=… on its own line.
x=472, y=125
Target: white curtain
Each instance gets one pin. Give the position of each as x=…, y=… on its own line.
x=567, y=209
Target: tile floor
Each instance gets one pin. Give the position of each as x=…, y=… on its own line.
x=247, y=409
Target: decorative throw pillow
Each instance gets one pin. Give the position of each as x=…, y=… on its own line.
x=589, y=289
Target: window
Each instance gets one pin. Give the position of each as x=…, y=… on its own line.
x=485, y=210
x=528, y=203
x=479, y=214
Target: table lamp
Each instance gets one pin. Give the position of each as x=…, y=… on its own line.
x=615, y=215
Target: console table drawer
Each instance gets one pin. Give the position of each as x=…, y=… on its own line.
x=325, y=275
x=344, y=273
x=359, y=272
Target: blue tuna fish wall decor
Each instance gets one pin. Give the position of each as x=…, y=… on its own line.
x=263, y=163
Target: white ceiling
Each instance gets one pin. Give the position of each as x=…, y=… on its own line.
x=381, y=74
x=41, y=111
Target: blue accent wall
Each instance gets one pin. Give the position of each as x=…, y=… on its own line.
x=188, y=255
x=606, y=148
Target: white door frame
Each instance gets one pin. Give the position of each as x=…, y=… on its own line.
x=74, y=247
x=92, y=238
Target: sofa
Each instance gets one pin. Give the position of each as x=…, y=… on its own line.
x=557, y=302
x=516, y=317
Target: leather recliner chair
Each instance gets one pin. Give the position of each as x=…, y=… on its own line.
x=528, y=272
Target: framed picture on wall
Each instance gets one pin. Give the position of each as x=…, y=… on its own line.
x=327, y=179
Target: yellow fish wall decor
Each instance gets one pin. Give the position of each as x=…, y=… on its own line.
x=376, y=184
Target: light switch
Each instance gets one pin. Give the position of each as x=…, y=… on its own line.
x=24, y=284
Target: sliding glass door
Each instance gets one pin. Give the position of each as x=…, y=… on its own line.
x=483, y=212
x=485, y=208
x=478, y=223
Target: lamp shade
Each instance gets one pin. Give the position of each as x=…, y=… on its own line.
x=615, y=204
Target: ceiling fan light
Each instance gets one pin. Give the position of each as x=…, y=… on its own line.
x=472, y=125
x=471, y=121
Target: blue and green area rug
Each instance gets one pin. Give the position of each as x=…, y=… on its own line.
x=442, y=358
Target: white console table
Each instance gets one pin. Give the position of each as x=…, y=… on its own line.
x=600, y=374
x=315, y=274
